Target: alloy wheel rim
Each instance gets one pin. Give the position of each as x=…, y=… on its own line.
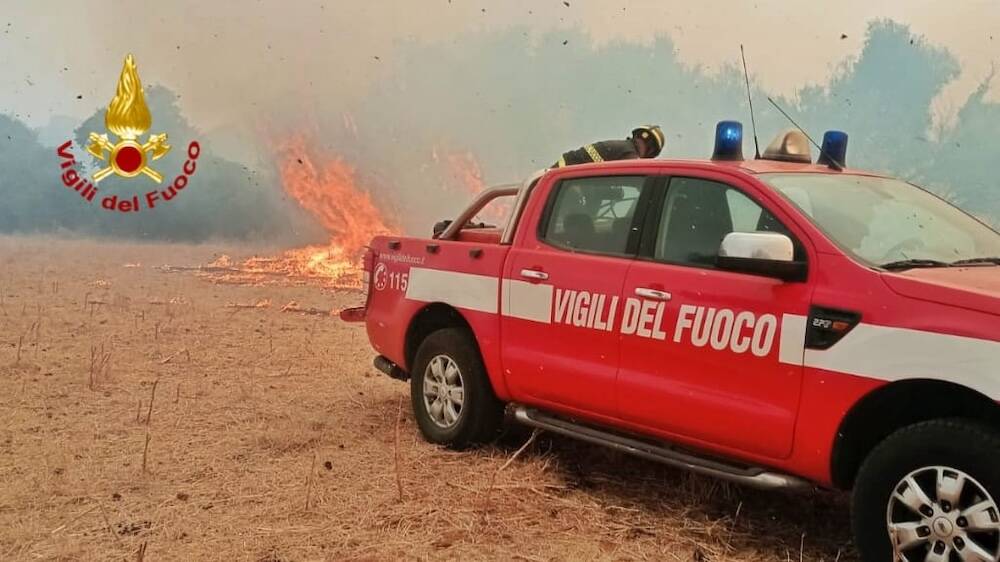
x=444, y=391
x=941, y=514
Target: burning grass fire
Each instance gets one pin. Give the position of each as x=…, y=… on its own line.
x=326, y=186
x=465, y=174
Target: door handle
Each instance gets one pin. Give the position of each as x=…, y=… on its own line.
x=534, y=274
x=653, y=294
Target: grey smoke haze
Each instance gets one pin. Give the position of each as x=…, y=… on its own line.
x=517, y=106
x=515, y=100
x=234, y=61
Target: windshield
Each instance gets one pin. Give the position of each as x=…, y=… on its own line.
x=883, y=221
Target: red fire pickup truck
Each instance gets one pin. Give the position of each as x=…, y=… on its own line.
x=773, y=322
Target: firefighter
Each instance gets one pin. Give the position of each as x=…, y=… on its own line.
x=645, y=142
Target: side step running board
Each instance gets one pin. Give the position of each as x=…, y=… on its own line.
x=659, y=452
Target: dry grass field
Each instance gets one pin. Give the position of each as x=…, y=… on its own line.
x=143, y=417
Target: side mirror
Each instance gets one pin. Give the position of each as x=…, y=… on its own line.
x=769, y=254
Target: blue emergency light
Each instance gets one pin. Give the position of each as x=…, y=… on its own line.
x=834, y=151
x=728, y=141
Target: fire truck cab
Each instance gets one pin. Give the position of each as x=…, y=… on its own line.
x=775, y=322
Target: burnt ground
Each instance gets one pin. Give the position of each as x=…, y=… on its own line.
x=271, y=438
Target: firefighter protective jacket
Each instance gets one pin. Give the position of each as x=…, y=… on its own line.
x=599, y=152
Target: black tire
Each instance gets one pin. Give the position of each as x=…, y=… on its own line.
x=481, y=413
x=957, y=444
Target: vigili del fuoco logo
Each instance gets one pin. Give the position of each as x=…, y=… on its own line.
x=128, y=155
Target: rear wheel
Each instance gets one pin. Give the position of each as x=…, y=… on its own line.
x=453, y=400
x=929, y=493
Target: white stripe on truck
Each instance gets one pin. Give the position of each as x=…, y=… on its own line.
x=870, y=351
x=792, y=342
x=893, y=354
x=527, y=301
x=461, y=290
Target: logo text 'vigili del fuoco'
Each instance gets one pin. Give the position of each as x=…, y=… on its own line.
x=128, y=155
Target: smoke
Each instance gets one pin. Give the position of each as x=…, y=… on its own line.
x=517, y=105
x=509, y=106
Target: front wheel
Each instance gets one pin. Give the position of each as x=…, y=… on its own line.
x=453, y=400
x=929, y=493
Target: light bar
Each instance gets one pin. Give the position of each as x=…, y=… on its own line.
x=834, y=152
x=728, y=141
x=791, y=145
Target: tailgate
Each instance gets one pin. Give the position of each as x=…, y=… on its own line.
x=409, y=274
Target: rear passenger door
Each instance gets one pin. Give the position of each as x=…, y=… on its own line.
x=561, y=290
x=708, y=355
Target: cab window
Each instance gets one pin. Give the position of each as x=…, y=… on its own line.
x=592, y=214
x=697, y=214
x=884, y=220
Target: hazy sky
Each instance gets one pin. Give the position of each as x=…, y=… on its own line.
x=427, y=99
x=236, y=62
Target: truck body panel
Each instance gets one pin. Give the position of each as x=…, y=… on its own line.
x=715, y=360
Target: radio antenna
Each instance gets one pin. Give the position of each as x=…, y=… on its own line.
x=833, y=161
x=753, y=123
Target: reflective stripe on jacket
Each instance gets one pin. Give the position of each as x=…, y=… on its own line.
x=599, y=152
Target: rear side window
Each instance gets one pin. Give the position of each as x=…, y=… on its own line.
x=697, y=214
x=593, y=214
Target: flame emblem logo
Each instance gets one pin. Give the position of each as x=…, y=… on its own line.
x=128, y=118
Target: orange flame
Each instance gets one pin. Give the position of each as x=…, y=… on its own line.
x=465, y=172
x=325, y=186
